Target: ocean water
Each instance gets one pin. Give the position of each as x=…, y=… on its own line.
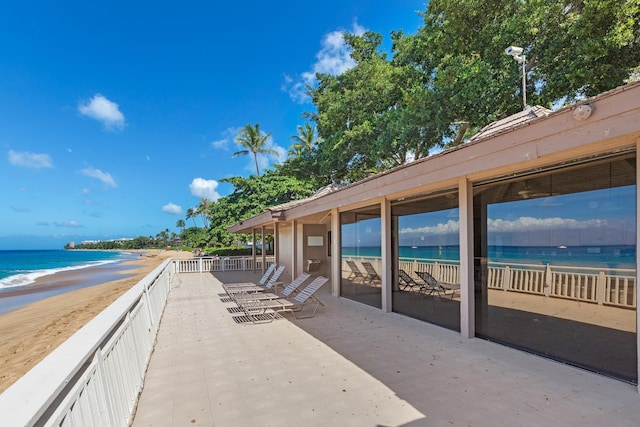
x=617, y=256
x=20, y=268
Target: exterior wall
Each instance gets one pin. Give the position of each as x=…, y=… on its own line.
x=316, y=234
x=285, y=249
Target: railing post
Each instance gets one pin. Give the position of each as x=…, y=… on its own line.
x=104, y=389
x=601, y=286
x=436, y=271
x=547, y=280
x=506, y=277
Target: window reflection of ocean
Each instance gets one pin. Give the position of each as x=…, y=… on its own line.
x=615, y=256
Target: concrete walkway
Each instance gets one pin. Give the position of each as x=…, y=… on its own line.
x=354, y=365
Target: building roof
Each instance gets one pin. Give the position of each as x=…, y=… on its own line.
x=526, y=139
x=327, y=189
x=511, y=121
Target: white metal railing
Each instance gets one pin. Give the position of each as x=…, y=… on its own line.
x=94, y=378
x=612, y=286
x=211, y=264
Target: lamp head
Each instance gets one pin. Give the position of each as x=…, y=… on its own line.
x=514, y=51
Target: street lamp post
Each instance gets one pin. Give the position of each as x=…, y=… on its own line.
x=517, y=54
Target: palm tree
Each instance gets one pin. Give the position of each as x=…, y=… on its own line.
x=304, y=140
x=254, y=141
x=201, y=210
x=191, y=214
x=181, y=224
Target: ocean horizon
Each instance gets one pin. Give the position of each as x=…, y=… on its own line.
x=23, y=267
x=605, y=256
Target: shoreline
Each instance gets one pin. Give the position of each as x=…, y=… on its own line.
x=59, y=282
x=63, y=303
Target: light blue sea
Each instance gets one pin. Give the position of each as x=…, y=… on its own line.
x=23, y=267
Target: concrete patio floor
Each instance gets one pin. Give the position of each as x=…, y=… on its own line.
x=354, y=365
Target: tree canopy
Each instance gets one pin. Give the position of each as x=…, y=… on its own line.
x=453, y=77
x=250, y=197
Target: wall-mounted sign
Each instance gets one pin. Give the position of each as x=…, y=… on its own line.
x=315, y=241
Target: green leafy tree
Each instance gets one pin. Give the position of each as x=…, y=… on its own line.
x=573, y=49
x=254, y=141
x=251, y=196
x=195, y=237
x=452, y=77
x=377, y=115
x=162, y=238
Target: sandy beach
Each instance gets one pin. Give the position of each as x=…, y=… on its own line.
x=29, y=333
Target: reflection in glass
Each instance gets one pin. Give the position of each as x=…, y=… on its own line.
x=556, y=263
x=427, y=267
x=361, y=249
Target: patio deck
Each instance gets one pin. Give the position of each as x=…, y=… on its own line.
x=354, y=365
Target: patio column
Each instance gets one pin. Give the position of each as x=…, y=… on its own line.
x=294, y=248
x=254, y=252
x=385, y=274
x=276, y=250
x=336, y=255
x=262, y=250
x=637, y=245
x=467, y=304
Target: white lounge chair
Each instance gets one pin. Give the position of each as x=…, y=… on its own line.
x=261, y=282
x=286, y=292
x=294, y=305
x=251, y=288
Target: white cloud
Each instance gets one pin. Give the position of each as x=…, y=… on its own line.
x=204, y=188
x=30, y=160
x=333, y=58
x=221, y=144
x=450, y=226
x=502, y=225
x=102, y=176
x=228, y=136
x=103, y=110
x=172, y=209
x=526, y=223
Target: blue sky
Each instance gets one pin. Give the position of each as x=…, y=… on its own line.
x=116, y=117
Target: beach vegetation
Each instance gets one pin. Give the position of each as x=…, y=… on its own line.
x=250, y=197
